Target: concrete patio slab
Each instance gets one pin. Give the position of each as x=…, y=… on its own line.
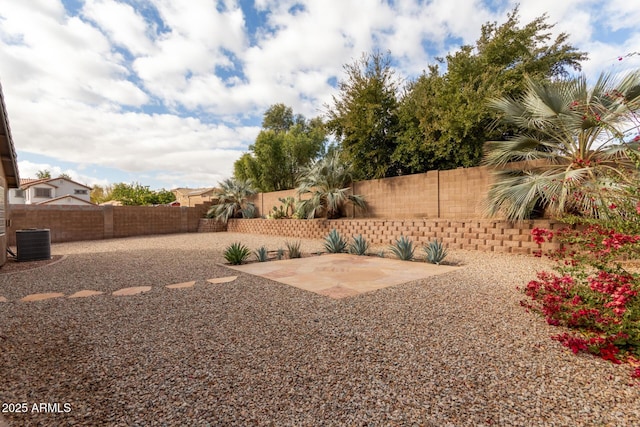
x=343, y=275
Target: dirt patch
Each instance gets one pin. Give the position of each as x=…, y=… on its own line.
x=13, y=266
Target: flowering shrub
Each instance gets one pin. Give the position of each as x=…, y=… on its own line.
x=591, y=292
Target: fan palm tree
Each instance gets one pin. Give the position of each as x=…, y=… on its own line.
x=232, y=200
x=328, y=182
x=574, y=141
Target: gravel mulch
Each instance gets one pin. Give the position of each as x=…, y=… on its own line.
x=450, y=350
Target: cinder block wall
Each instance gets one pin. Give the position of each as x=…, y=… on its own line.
x=72, y=223
x=451, y=194
x=482, y=235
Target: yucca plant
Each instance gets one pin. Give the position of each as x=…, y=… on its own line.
x=236, y=253
x=359, y=245
x=262, y=254
x=403, y=248
x=334, y=243
x=435, y=252
x=294, y=249
x=279, y=254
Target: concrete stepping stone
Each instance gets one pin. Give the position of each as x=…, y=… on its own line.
x=41, y=297
x=222, y=279
x=85, y=293
x=181, y=285
x=3, y=299
x=132, y=291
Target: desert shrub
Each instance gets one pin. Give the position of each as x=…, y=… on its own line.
x=236, y=253
x=294, y=249
x=262, y=254
x=435, y=252
x=334, y=243
x=358, y=245
x=591, y=292
x=403, y=248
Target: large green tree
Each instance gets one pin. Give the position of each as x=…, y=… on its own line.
x=445, y=117
x=286, y=144
x=363, y=117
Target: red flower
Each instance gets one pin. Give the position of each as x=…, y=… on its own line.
x=612, y=206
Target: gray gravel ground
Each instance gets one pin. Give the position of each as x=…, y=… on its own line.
x=450, y=350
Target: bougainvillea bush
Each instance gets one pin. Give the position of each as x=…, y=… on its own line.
x=592, y=291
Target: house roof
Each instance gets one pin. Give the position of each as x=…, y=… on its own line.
x=29, y=182
x=47, y=202
x=193, y=191
x=7, y=150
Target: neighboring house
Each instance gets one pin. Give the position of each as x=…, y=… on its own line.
x=50, y=191
x=9, y=177
x=194, y=196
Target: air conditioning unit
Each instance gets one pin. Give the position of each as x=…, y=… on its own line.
x=33, y=244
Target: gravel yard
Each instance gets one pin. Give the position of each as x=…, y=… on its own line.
x=450, y=350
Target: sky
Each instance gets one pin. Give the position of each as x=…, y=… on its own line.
x=169, y=93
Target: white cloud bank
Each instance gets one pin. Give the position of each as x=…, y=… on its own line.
x=173, y=91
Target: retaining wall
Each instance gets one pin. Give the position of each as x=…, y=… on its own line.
x=481, y=235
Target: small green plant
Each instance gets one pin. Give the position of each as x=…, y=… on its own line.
x=381, y=253
x=334, y=243
x=359, y=245
x=403, y=248
x=262, y=254
x=435, y=252
x=236, y=253
x=279, y=254
x=294, y=249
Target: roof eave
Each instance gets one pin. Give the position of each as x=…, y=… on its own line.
x=7, y=150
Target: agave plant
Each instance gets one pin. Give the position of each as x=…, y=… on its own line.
x=403, y=248
x=359, y=245
x=262, y=254
x=232, y=200
x=575, y=140
x=236, y=253
x=294, y=249
x=334, y=243
x=327, y=182
x=279, y=254
x=435, y=251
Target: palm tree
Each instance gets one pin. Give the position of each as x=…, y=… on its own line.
x=327, y=181
x=574, y=141
x=232, y=200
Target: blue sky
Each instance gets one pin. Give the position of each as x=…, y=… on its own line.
x=169, y=93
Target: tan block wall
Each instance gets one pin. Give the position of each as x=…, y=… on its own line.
x=450, y=194
x=66, y=223
x=72, y=223
x=482, y=235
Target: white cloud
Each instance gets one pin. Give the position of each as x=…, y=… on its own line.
x=78, y=87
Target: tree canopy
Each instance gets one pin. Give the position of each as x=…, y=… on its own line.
x=363, y=116
x=136, y=194
x=445, y=118
x=286, y=144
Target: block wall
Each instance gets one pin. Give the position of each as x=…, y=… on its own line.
x=481, y=235
x=451, y=194
x=72, y=223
